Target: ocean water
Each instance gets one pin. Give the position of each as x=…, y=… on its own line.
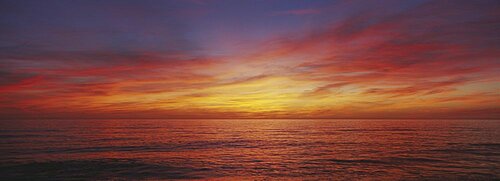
x=237, y=149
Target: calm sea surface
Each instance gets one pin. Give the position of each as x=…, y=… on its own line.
x=235, y=149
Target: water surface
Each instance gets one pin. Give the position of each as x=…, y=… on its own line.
x=250, y=149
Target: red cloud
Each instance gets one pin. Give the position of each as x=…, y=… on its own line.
x=428, y=53
x=24, y=84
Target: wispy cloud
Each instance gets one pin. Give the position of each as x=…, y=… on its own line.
x=436, y=59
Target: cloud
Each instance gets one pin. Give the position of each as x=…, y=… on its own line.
x=433, y=59
x=23, y=84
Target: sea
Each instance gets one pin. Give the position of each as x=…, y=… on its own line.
x=249, y=149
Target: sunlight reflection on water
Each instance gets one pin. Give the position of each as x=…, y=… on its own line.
x=252, y=149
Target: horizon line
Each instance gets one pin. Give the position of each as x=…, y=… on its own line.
x=251, y=118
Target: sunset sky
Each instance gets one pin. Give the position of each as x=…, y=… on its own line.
x=249, y=59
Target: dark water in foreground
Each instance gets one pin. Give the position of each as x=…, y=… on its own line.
x=250, y=149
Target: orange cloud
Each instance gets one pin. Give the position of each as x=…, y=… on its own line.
x=422, y=63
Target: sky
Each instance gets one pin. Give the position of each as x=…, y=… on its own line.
x=249, y=59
